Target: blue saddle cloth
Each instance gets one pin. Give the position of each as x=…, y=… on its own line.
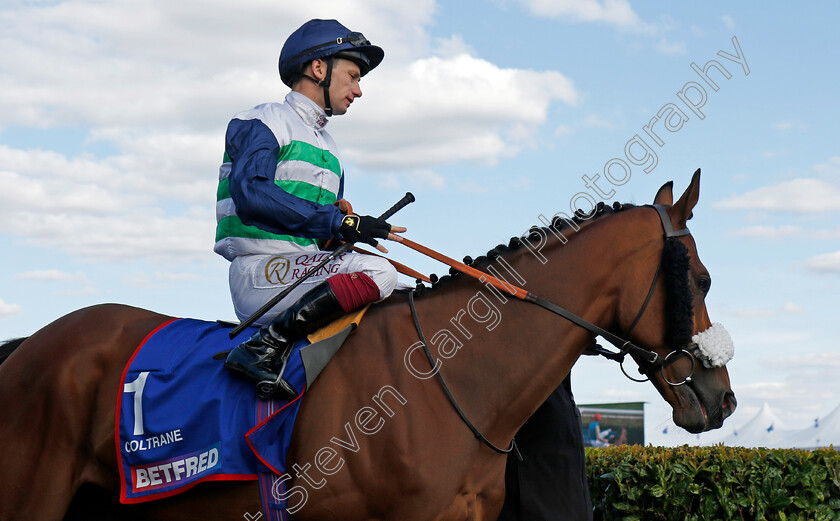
x=183, y=419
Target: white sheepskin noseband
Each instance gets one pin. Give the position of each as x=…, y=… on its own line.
x=714, y=346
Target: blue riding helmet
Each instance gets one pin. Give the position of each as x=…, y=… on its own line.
x=322, y=39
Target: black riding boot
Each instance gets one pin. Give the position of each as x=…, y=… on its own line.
x=262, y=358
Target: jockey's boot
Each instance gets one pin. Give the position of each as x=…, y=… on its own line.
x=259, y=357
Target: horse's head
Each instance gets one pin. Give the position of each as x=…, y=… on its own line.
x=675, y=324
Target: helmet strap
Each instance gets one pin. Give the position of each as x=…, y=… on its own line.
x=325, y=83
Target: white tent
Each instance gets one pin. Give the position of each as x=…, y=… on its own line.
x=824, y=432
x=764, y=430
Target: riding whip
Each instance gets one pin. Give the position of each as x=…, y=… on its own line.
x=407, y=198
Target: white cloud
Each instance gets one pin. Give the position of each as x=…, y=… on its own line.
x=796, y=385
x=52, y=275
x=9, y=309
x=157, y=82
x=595, y=121
x=81, y=292
x=449, y=109
x=453, y=46
x=622, y=395
x=129, y=234
x=770, y=154
x=113, y=208
x=168, y=97
x=830, y=169
x=802, y=195
x=806, y=361
x=762, y=390
x=429, y=179
x=156, y=62
x=163, y=279
x=562, y=131
x=670, y=48
x=766, y=338
x=785, y=231
x=728, y=21
x=768, y=232
x=616, y=13
x=789, y=395
x=789, y=308
x=825, y=263
x=797, y=195
x=827, y=234
x=784, y=126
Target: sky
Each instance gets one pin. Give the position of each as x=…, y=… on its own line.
x=113, y=113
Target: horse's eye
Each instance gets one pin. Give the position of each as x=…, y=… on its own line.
x=703, y=284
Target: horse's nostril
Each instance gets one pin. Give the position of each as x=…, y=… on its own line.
x=728, y=403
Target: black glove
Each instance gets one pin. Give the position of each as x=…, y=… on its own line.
x=364, y=228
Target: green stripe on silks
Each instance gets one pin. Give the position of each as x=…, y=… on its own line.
x=223, y=191
x=300, y=151
x=307, y=191
x=297, y=188
x=232, y=226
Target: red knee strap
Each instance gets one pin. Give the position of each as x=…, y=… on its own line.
x=353, y=290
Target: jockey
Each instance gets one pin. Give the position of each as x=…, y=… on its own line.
x=280, y=200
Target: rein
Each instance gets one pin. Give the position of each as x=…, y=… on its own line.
x=651, y=359
x=477, y=433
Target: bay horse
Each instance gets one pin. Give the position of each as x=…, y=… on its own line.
x=403, y=452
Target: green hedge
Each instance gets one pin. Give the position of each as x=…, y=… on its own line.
x=635, y=483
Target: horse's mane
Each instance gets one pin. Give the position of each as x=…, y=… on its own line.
x=675, y=267
x=558, y=225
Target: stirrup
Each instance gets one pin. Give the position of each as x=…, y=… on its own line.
x=268, y=388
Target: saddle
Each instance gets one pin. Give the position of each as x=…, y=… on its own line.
x=183, y=419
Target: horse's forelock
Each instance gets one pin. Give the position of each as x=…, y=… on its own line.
x=679, y=312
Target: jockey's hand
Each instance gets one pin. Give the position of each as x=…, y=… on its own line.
x=367, y=229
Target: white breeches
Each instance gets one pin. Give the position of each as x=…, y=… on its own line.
x=255, y=279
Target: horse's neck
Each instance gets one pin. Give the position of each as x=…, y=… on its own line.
x=515, y=353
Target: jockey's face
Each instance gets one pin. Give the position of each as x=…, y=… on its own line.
x=344, y=87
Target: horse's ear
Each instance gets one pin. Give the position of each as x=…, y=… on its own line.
x=665, y=195
x=681, y=211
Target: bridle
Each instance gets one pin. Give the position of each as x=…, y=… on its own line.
x=651, y=361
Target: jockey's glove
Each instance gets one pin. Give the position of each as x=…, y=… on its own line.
x=364, y=228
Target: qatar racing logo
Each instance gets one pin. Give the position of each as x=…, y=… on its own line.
x=276, y=270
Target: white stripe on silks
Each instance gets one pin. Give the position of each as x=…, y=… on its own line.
x=225, y=208
x=714, y=345
x=295, y=170
x=224, y=170
x=268, y=247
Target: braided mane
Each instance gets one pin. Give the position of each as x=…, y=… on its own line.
x=675, y=266
x=558, y=225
